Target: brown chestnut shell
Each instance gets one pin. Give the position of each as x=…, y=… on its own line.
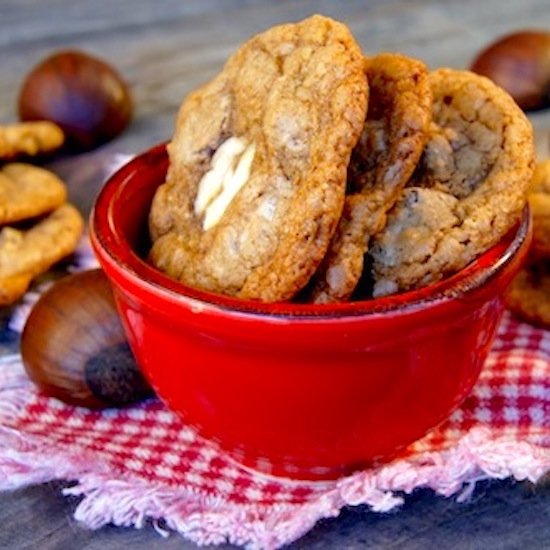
x=74, y=347
x=520, y=63
x=82, y=94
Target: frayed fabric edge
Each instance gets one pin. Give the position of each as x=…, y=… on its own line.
x=112, y=498
x=108, y=498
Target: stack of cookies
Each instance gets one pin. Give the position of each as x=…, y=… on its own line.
x=529, y=294
x=37, y=225
x=308, y=171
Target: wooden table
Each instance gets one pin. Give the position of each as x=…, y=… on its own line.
x=164, y=49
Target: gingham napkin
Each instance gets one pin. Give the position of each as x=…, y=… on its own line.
x=145, y=464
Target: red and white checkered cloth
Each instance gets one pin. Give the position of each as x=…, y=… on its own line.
x=144, y=463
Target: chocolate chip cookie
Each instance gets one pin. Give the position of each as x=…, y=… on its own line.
x=29, y=139
x=392, y=140
x=468, y=191
x=27, y=191
x=258, y=163
x=539, y=200
x=529, y=294
x=24, y=254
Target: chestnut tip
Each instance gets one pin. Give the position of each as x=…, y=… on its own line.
x=74, y=347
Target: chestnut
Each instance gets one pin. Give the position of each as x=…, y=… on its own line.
x=74, y=348
x=82, y=94
x=519, y=63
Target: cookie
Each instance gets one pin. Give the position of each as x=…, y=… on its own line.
x=27, y=191
x=29, y=139
x=468, y=191
x=392, y=140
x=539, y=200
x=26, y=254
x=529, y=294
x=258, y=164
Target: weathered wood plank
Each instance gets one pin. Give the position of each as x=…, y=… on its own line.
x=165, y=48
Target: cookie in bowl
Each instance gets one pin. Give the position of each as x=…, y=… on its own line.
x=468, y=191
x=392, y=140
x=258, y=164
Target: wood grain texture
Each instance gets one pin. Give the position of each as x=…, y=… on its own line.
x=165, y=48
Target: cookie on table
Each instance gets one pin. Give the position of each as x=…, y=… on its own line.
x=27, y=191
x=468, y=191
x=29, y=139
x=529, y=294
x=539, y=200
x=258, y=163
x=392, y=140
x=25, y=254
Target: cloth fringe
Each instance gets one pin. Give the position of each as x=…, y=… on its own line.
x=108, y=498
x=114, y=497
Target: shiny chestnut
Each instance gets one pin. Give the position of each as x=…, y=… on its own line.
x=74, y=348
x=82, y=94
x=520, y=63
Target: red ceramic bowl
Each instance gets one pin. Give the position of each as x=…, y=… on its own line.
x=309, y=391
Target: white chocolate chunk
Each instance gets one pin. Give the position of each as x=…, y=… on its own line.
x=209, y=186
x=222, y=161
x=223, y=181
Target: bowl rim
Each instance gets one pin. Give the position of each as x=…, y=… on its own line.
x=111, y=247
